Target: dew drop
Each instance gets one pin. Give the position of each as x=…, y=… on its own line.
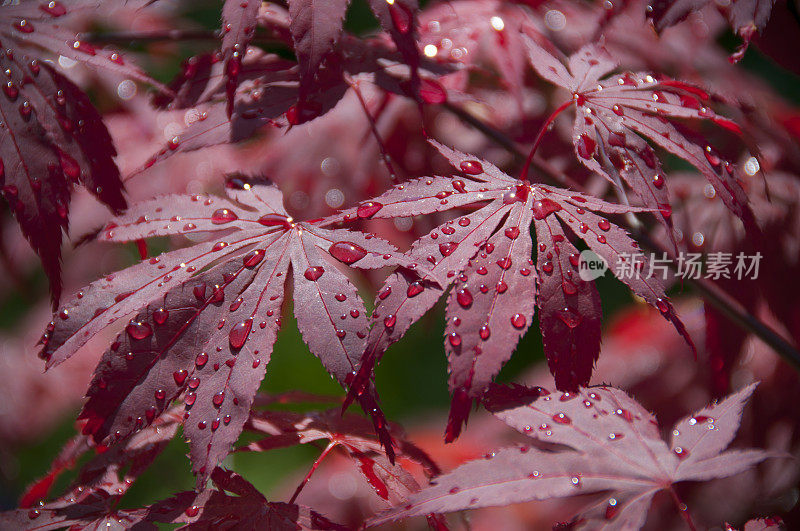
x=347, y=252
x=160, y=316
x=484, y=332
x=544, y=207
x=253, y=258
x=518, y=321
x=471, y=167
x=454, y=339
x=239, y=333
x=561, y=418
x=368, y=209
x=447, y=248
x=138, y=330
x=218, y=398
x=314, y=272
x=414, y=289
x=180, y=376
x=464, y=298
x=222, y=216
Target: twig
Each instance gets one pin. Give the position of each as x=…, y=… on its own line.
x=374, y=128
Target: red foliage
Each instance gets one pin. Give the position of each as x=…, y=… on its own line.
x=346, y=128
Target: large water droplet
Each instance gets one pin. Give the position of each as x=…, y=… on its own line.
x=347, y=252
x=160, y=316
x=180, y=376
x=414, y=289
x=23, y=26
x=518, y=320
x=275, y=220
x=471, y=167
x=368, y=209
x=454, y=339
x=447, y=248
x=218, y=398
x=561, y=418
x=544, y=207
x=253, y=258
x=138, y=330
x=222, y=216
x=313, y=273
x=238, y=334
x=464, y=298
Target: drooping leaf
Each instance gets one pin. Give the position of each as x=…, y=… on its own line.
x=53, y=138
x=607, y=443
x=238, y=28
x=485, y=258
x=206, y=316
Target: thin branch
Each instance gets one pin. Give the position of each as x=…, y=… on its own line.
x=732, y=309
x=387, y=161
x=317, y=461
x=542, y=130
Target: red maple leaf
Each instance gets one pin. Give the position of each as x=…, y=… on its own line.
x=485, y=257
x=606, y=443
x=614, y=113
x=207, y=315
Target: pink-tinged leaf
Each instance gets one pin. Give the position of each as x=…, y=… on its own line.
x=418, y=196
x=612, y=111
x=208, y=333
x=709, y=431
x=192, y=341
x=111, y=298
x=624, y=156
x=570, y=314
x=608, y=444
x=405, y=297
x=316, y=26
x=570, y=307
x=202, y=78
x=53, y=138
x=489, y=308
x=238, y=27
